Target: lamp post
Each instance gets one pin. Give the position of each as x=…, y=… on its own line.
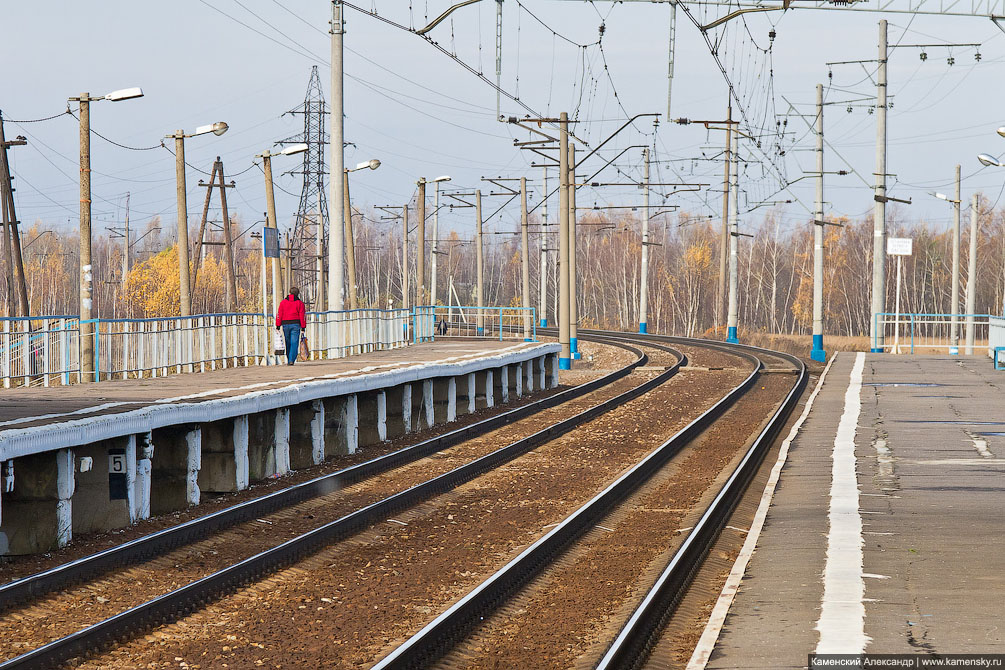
x=270, y=221
x=86, y=336
x=988, y=160
x=350, y=244
x=179, y=136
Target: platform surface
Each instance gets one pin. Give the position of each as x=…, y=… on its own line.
x=929, y=464
x=40, y=408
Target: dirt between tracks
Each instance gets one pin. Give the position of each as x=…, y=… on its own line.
x=569, y=615
x=340, y=608
x=76, y=607
x=16, y=567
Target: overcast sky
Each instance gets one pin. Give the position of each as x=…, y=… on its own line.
x=422, y=114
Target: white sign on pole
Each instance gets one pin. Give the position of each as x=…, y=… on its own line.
x=899, y=246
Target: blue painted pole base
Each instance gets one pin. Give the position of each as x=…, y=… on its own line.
x=954, y=351
x=876, y=350
x=481, y=331
x=731, y=335
x=644, y=328
x=574, y=348
x=818, y=354
x=527, y=339
x=564, y=364
x=544, y=323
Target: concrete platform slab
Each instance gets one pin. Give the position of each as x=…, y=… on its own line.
x=908, y=557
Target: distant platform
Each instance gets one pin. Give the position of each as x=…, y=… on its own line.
x=885, y=533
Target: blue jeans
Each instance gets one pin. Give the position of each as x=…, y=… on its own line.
x=291, y=335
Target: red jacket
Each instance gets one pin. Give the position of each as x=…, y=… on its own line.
x=291, y=309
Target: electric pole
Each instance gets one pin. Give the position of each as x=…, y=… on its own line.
x=565, y=355
x=644, y=288
x=336, y=241
x=270, y=203
x=734, y=235
x=86, y=334
x=720, y=296
x=479, y=261
x=954, y=343
x=184, y=270
x=879, y=216
x=525, y=258
x=818, y=353
x=573, y=296
x=12, y=238
x=972, y=275
x=436, y=245
x=420, y=245
x=404, y=258
x=543, y=280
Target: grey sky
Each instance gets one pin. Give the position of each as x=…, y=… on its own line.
x=423, y=115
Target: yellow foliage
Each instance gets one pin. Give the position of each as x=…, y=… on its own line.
x=152, y=287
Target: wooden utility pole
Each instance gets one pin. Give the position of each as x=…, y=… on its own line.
x=202, y=223
x=12, y=248
x=720, y=295
x=404, y=258
x=420, y=257
x=228, y=244
x=525, y=257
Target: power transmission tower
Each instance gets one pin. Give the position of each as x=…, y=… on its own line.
x=304, y=249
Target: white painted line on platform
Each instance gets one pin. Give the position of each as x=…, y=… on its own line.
x=842, y=613
x=706, y=644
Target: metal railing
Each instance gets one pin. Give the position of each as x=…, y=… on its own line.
x=996, y=334
x=497, y=323
x=930, y=333
x=46, y=350
x=41, y=350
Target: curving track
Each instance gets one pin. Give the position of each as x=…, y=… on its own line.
x=459, y=459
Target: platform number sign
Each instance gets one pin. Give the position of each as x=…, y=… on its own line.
x=117, y=480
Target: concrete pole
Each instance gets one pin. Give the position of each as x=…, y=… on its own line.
x=350, y=244
x=954, y=344
x=734, y=239
x=543, y=281
x=184, y=271
x=573, y=295
x=479, y=261
x=565, y=355
x=270, y=203
x=336, y=236
x=420, y=245
x=818, y=353
x=644, y=288
x=972, y=276
x=436, y=237
x=879, y=216
x=525, y=258
x=720, y=296
x=86, y=327
x=404, y=258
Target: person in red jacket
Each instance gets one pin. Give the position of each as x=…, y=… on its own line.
x=292, y=318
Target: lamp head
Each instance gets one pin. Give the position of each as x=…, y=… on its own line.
x=442, y=178
x=294, y=149
x=1001, y=131
x=218, y=128
x=125, y=94
x=941, y=196
x=988, y=161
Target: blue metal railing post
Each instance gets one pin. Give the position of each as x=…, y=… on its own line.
x=500, y=324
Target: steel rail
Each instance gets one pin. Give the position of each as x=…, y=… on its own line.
x=173, y=605
x=440, y=635
x=160, y=542
x=634, y=643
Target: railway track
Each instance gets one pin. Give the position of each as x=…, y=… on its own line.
x=520, y=616
x=173, y=604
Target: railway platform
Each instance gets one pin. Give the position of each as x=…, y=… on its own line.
x=884, y=532
x=98, y=456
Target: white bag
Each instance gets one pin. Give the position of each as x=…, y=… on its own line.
x=278, y=343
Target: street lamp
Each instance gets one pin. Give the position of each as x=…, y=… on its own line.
x=420, y=259
x=218, y=128
x=86, y=276
x=270, y=222
x=436, y=234
x=954, y=335
x=350, y=241
x=990, y=161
